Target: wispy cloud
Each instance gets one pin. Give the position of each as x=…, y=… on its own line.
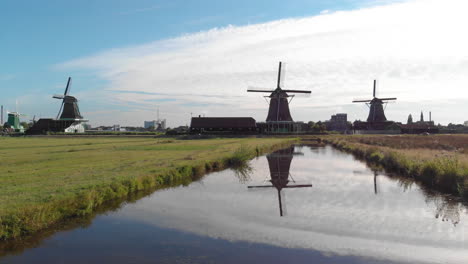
x=417, y=50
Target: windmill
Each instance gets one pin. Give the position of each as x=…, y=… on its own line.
x=13, y=121
x=279, y=163
x=69, y=105
x=376, y=110
x=279, y=103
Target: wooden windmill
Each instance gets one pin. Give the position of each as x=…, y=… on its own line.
x=376, y=110
x=69, y=109
x=279, y=102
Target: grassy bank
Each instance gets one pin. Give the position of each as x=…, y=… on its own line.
x=46, y=180
x=437, y=161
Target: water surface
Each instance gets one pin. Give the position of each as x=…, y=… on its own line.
x=351, y=214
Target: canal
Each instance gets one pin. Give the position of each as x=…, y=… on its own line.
x=304, y=204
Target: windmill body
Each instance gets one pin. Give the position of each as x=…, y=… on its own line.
x=69, y=118
x=279, y=107
x=279, y=116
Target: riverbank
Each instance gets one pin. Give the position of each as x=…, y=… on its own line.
x=47, y=180
x=437, y=161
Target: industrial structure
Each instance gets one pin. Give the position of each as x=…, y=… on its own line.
x=69, y=118
x=13, y=124
x=158, y=124
x=376, y=119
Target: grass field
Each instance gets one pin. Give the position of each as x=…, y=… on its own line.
x=46, y=180
x=437, y=161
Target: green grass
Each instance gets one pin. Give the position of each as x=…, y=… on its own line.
x=46, y=180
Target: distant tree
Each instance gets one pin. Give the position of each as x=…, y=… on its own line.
x=25, y=125
x=319, y=127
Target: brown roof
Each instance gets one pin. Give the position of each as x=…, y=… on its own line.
x=222, y=122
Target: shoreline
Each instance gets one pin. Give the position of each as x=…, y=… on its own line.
x=31, y=219
x=440, y=173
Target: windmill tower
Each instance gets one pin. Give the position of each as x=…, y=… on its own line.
x=376, y=109
x=69, y=109
x=279, y=115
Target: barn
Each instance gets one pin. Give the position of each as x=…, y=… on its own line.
x=227, y=125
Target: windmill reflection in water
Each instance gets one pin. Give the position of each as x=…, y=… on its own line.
x=279, y=163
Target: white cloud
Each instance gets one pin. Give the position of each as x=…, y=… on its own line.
x=416, y=49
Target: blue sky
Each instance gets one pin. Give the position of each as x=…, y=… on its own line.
x=39, y=37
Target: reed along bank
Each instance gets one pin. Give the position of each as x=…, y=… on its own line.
x=439, y=162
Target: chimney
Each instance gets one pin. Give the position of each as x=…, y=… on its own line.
x=1, y=123
x=199, y=116
x=430, y=116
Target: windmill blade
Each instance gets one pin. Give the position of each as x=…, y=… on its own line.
x=260, y=186
x=297, y=91
x=362, y=101
x=58, y=96
x=375, y=86
x=67, y=89
x=61, y=107
x=281, y=74
x=387, y=99
x=298, y=186
x=260, y=91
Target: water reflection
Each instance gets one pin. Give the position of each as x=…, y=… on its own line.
x=279, y=163
x=351, y=210
x=447, y=207
x=243, y=172
x=375, y=182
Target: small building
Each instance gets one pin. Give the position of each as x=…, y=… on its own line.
x=155, y=124
x=420, y=126
x=75, y=128
x=228, y=125
x=338, y=122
